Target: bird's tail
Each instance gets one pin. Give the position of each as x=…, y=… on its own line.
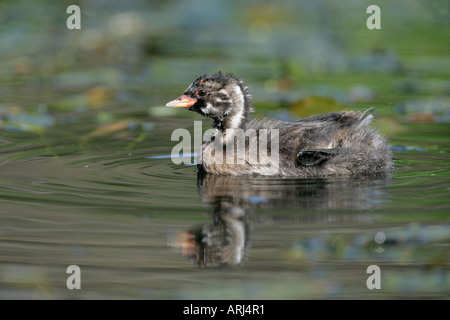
x=367, y=116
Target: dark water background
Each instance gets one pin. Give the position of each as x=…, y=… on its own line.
x=85, y=177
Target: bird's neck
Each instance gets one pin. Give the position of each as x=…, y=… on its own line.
x=222, y=124
x=237, y=115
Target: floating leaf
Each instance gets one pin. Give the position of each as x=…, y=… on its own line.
x=110, y=128
x=98, y=96
x=312, y=105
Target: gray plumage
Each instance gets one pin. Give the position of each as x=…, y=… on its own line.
x=339, y=143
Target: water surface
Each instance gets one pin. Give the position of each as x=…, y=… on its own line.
x=146, y=228
x=86, y=178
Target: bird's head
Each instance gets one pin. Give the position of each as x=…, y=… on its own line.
x=222, y=97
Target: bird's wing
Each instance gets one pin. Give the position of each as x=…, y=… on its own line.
x=314, y=157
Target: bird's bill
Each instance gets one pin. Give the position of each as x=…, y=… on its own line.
x=183, y=101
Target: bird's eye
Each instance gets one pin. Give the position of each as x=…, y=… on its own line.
x=202, y=92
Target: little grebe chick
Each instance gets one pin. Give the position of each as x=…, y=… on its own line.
x=338, y=143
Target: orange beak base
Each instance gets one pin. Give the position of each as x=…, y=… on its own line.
x=183, y=101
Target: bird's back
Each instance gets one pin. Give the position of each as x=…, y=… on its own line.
x=339, y=143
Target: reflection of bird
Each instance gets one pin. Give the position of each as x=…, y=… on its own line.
x=222, y=243
x=339, y=143
x=351, y=194
x=225, y=241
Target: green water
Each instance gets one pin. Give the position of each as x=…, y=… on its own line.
x=85, y=139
